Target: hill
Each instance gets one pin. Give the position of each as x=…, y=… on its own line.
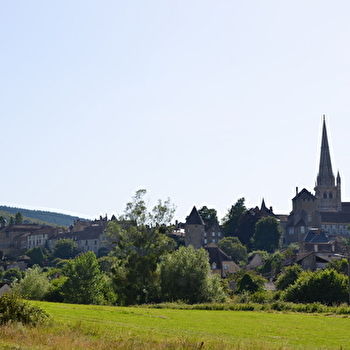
x=39, y=216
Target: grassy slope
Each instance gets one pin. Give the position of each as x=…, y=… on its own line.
x=139, y=328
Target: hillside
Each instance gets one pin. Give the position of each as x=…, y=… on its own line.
x=39, y=216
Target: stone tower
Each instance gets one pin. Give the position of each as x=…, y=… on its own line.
x=327, y=191
x=194, y=230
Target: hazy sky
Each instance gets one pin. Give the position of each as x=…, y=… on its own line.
x=200, y=101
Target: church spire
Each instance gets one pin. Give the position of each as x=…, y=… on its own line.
x=325, y=174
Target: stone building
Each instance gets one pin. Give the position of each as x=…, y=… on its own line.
x=197, y=233
x=323, y=210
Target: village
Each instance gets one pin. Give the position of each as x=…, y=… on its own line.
x=317, y=226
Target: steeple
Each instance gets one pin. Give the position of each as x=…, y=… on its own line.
x=327, y=192
x=325, y=177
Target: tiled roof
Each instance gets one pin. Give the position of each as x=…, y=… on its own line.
x=316, y=236
x=194, y=218
x=216, y=255
x=304, y=193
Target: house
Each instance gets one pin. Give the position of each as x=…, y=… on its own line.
x=219, y=261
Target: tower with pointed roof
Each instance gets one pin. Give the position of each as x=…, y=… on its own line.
x=327, y=189
x=194, y=230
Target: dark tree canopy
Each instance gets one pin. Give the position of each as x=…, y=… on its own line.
x=209, y=216
x=246, y=225
x=231, y=219
x=36, y=255
x=18, y=218
x=267, y=234
x=65, y=249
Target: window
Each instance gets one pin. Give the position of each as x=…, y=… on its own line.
x=302, y=229
x=205, y=241
x=213, y=265
x=330, y=195
x=225, y=267
x=213, y=234
x=324, y=195
x=95, y=242
x=86, y=242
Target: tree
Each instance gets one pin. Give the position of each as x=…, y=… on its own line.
x=13, y=274
x=65, y=249
x=185, y=275
x=267, y=234
x=34, y=284
x=248, y=281
x=36, y=255
x=231, y=219
x=246, y=226
x=18, y=218
x=209, y=216
x=162, y=213
x=233, y=247
x=288, y=277
x=138, y=249
x=84, y=280
x=324, y=286
x=136, y=211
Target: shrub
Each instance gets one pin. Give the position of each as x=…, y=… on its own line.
x=34, y=284
x=288, y=277
x=249, y=282
x=14, y=309
x=324, y=286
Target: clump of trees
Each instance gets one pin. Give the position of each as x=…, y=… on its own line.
x=185, y=275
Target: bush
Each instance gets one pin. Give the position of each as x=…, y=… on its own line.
x=249, y=282
x=34, y=285
x=14, y=309
x=288, y=277
x=324, y=286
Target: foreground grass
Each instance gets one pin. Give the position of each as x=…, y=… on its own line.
x=99, y=327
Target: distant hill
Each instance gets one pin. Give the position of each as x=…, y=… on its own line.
x=40, y=216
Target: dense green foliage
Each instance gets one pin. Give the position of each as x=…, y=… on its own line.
x=267, y=235
x=13, y=309
x=36, y=255
x=209, y=216
x=34, y=285
x=248, y=281
x=231, y=220
x=234, y=248
x=185, y=275
x=12, y=275
x=65, y=249
x=288, y=276
x=85, y=283
x=324, y=286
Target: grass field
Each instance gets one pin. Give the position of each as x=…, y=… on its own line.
x=101, y=327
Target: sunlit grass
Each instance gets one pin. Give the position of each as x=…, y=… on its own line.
x=101, y=327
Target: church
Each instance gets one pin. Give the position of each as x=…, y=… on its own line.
x=323, y=210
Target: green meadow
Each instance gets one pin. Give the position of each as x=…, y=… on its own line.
x=104, y=327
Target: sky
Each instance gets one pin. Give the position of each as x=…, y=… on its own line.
x=201, y=102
